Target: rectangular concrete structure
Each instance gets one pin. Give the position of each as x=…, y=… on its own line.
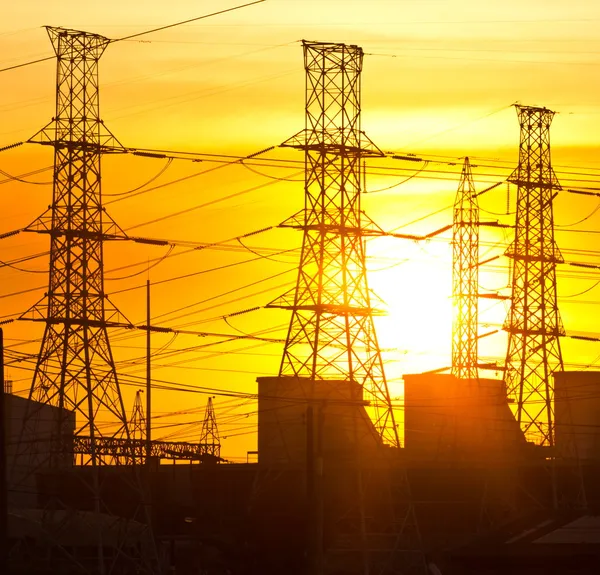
x=25, y=452
x=282, y=420
x=577, y=414
x=446, y=417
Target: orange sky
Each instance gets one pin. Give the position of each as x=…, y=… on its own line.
x=439, y=78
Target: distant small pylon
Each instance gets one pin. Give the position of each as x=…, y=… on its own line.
x=137, y=427
x=209, y=437
x=137, y=423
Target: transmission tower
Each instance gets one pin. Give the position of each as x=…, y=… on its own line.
x=137, y=423
x=137, y=426
x=533, y=324
x=465, y=277
x=331, y=333
x=209, y=436
x=75, y=370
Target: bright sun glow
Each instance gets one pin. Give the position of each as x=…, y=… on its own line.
x=419, y=310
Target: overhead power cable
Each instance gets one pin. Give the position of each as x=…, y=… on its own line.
x=146, y=183
x=192, y=274
x=20, y=177
x=27, y=64
x=409, y=157
x=423, y=173
x=187, y=21
x=143, y=327
x=151, y=31
x=229, y=292
x=204, y=204
x=184, y=178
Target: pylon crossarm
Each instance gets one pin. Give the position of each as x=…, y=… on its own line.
x=84, y=147
x=334, y=310
x=42, y=225
x=296, y=222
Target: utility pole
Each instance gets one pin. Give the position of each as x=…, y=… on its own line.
x=3, y=467
x=148, y=380
x=465, y=277
x=534, y=326
x=314, y=486
x=319, y=502
x=311, y=533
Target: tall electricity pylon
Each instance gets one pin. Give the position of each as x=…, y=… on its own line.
x=209, y=436
x=533, y=324
x=465, y=277
x=331, y=333
x=75, y=370
x=331, y=336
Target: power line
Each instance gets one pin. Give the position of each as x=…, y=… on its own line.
x=187, y=21
x=27, y=63
x=30, y=62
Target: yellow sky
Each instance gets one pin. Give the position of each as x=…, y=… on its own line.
x=439, y=78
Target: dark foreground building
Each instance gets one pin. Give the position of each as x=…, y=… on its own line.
x=465, y=494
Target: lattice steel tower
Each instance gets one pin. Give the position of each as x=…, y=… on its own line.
x=331, y=334
x=465, y=277
x=75, y=368
x=137, y=426
x=209, y=436
x=533, y=323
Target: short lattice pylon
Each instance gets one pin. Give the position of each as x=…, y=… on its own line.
x=465, y=277
x=533, y=324
x=137, y=426
x=209, y=436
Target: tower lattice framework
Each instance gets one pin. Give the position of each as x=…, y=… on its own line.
x=137, y=423
x=75, y=368
x=331, y=334
x=465, y=277
x=209, y=436
x=137, y=427
x=75, y=371
x=533, y=324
